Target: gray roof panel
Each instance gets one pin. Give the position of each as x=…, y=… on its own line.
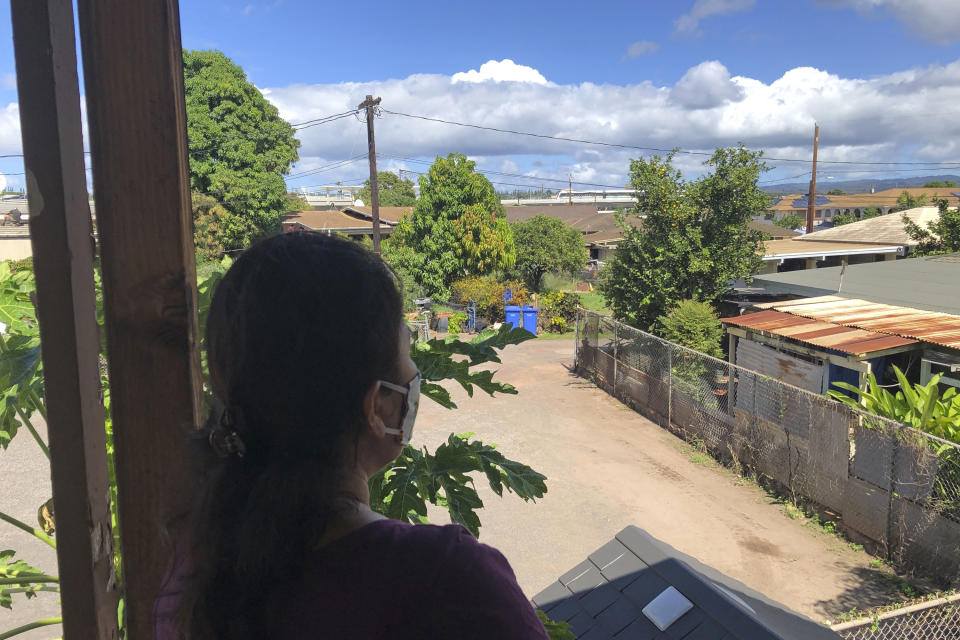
x=930, y=284
x=603, y=597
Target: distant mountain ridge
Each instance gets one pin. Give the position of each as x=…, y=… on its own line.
x=861, y=185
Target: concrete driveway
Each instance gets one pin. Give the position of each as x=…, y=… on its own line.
x=608, y=467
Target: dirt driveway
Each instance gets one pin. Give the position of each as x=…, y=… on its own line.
x=608, y=467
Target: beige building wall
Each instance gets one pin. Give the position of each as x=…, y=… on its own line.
x=16, y=248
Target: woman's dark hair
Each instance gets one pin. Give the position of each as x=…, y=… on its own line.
x=299, y=329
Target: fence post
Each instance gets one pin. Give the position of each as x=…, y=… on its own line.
x=576, y=341
x=616, y=342
x=669, y=385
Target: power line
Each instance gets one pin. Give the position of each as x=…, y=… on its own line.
x=326, y=167
x=508, y=175
x=639, y=148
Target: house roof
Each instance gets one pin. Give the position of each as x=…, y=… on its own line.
x=886, y=229
x=776, y=232
x=596, y=227
x=885, y=198
x=930, y=283
x=950, y=194
x=332, y=220
x=389, y=215
x=858, y=342
x=604, y=597
x=928, y=326
x=795, y=248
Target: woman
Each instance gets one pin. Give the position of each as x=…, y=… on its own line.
x=309, y=363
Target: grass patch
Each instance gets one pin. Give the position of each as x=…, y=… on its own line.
x=697, y=457
x=559, y=283
x=550, y=335
x=594, y=302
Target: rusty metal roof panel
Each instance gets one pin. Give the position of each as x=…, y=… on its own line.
x=855, y=341
x=928, y=326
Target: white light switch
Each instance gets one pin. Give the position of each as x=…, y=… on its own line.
x=666, y=608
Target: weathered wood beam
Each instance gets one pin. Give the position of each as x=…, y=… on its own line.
x=138, y=139
x=61, y=235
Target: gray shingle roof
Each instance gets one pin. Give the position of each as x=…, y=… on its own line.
x=603, y=597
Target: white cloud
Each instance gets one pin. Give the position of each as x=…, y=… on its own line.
x=501, y=71
x=936, y=20
x=902, y=116
x=689, y=23
x=641, y=48
x=894, y=117
x=705, y=86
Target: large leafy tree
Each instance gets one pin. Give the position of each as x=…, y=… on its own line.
x=393, y=190
x=694, y=239
x=546, y=245
x=239, y=150
x=457, y=228
x=940, y=236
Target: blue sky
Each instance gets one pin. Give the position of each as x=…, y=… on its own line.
x=881, y=76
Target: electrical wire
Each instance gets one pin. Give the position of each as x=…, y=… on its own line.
x=640, y=148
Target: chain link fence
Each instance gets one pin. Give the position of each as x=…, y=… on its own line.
x=932, y=620
x=887, y=482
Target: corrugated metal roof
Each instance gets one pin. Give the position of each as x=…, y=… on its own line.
x=858, y=342
x=927, y=326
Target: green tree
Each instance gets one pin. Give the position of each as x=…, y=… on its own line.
x=695, y=238
x=940, y=236
x=939, y=183
x=843, y=218
x=393, y=190
x=239, y=149
x=836, y=192
x=791, y=221
x=906, y=201
x=546, y=245
x=457, y=228
x=694, y=325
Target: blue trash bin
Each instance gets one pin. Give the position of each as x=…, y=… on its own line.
x=530, y=318
x=512, y=312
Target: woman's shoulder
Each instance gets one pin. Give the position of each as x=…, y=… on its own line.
x=450, y=538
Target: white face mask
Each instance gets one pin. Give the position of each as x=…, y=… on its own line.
x=412, y=392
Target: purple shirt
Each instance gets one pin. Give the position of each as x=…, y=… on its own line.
x=389, y=579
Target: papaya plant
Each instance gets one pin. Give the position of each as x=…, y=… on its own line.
x=401, y=491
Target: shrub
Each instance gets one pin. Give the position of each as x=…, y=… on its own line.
x=558, y=304
x=694, y=325
x=487, y=294
x=557, y=324
x=455, y=323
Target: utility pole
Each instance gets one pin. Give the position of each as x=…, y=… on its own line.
x=370, y=104
x=811, y=204
x=570, y=193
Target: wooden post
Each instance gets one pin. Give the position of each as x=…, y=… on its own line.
x=616, y=354
x=811, y=204
x=61, y=235
x=370, y=105
x=133, y=72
